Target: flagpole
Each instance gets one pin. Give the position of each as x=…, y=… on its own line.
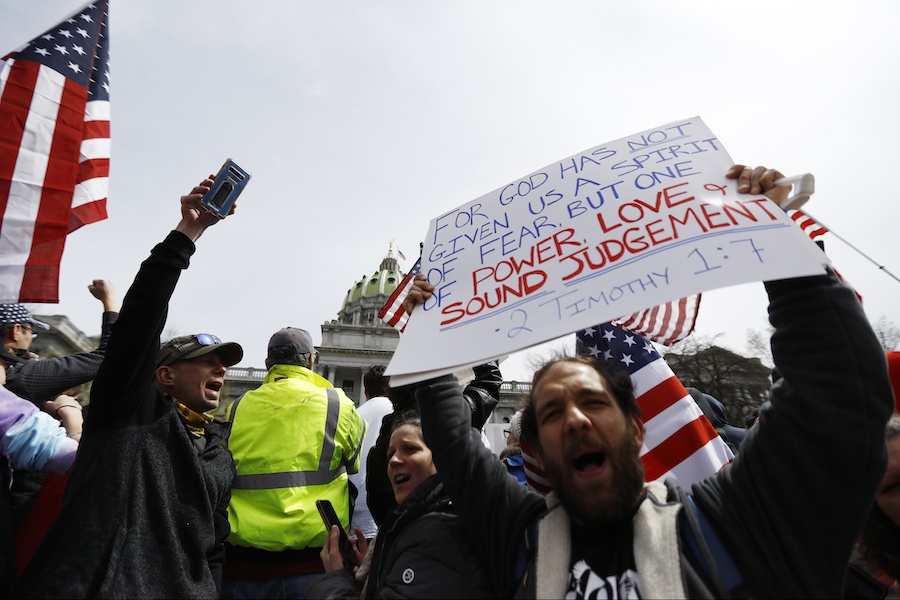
x=861, y=253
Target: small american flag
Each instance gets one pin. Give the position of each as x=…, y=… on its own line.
x=814, y=229
x=393, y=312
x=807, y=224
x=54, y=149
x=664, y=324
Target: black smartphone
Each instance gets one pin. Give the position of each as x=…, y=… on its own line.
x=329, y=517
x=225, y=189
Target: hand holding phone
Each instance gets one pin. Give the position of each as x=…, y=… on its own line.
x=329, y=517
x=225, y=189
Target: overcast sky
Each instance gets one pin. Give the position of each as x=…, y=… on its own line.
x=361, y=121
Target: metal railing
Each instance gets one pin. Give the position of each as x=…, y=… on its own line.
x=515, y=387
x=246, y=373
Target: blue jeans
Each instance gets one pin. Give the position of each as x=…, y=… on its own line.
x=291, y=586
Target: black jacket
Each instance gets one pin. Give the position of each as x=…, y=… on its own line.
x=787, y=510
x=144, y=514
x=46, y=378
x=421, y=551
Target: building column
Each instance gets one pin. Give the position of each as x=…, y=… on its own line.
x=362, y=386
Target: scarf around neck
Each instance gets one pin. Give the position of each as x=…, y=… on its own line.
x=196, y=422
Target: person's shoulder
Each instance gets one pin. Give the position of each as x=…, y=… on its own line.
x=21, y=369
x=443, y=529
x=341, y=394
x=375, y=408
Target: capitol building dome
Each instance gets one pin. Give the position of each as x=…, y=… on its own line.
x=366, y=297
x=358, y=338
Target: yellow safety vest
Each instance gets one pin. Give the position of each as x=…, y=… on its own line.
x=293, y=439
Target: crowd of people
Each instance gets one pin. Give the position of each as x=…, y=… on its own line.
x=143, y=494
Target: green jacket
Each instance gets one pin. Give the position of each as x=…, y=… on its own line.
x=294, y=440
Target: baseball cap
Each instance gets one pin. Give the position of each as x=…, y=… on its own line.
x=185, y=347
x=290, y=341
x=13, y=314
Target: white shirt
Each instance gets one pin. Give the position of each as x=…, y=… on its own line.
x=372, y=411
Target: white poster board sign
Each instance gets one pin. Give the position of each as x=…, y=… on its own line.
x=618, y=228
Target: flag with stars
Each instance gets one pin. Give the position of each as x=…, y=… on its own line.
x=54, y=149
x=679, y=441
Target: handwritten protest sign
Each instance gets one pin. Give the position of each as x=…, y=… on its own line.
x=618, y=228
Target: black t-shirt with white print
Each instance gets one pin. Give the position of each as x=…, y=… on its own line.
x=603, y=565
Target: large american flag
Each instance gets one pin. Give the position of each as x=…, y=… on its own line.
x=393, y=312
x=54, y=149
x=679, y=440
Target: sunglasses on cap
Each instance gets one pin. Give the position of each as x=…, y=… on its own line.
x=178, y=348
x=204, y=339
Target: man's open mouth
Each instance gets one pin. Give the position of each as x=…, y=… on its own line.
x=588, y=460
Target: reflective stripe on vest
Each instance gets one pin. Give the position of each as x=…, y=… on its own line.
x=288, y=479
